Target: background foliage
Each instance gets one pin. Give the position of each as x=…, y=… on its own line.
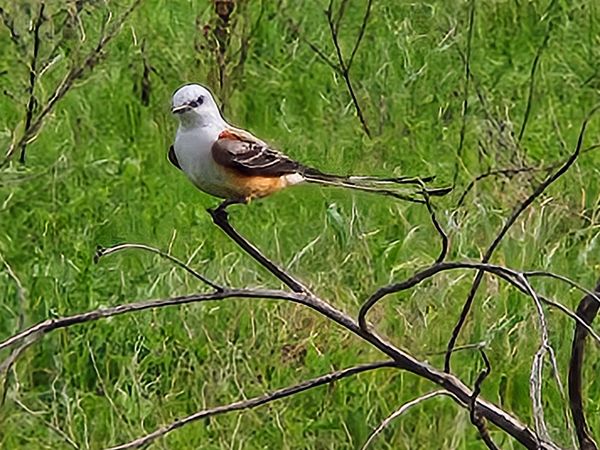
x=97, y=175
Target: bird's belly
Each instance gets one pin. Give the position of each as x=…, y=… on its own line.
x=201, y=169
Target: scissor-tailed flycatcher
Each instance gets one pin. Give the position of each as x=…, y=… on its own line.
x=232, y=164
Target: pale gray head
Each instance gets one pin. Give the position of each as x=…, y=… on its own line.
x=194, y=105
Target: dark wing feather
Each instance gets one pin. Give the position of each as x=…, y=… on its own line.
x=253, y=158
x=173, y=157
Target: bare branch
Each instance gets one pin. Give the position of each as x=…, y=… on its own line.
x=345, y=66
x=254, y=402
x=535, y=379
x=404, y=408
x=504, y=230
x=475, y=418
x=405, y=361
x=534, y=67
x=511, y=276
x=295, y=29
x=587, y=310
x=76, y=72
x=32, y=102
x=361, y=33
x=221, y=219
x=101, y=252
x=465, y=103
x=445, y=242
x=42, y=328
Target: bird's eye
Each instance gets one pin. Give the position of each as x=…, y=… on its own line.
x=193, y=103
x=200, y=100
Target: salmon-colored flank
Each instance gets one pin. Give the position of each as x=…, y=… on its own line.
x=250, y=186
x=255, y=186
x=228, y=134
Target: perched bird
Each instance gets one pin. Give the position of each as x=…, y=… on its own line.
x=232, y=164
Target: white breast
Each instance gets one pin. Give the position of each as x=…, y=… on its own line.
x=193, y=150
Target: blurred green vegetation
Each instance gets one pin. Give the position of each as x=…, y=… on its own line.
x=98, y=175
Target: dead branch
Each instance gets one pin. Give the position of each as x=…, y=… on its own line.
x=254, y=402
x=346, y=65
x=404, y=361
x=101, y=252
x=465, y=102
x=511, y=172
x=534, y=66
x=587, y=310
x=221, y=219
x=475, y=418
x=404, y=408
x=75, y=73
x=519, y=209
x=32, y=102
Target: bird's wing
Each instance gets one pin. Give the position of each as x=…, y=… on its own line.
x=241, y=151
x=173, y=157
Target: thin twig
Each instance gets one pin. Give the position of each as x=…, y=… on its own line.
x=511, y=172
x=404, y=408
x=465, y=102
x=254, y=402
x=504, y=230
x=361, y=33
x=532, y=74
x=445, y=242
x=76, y=72
x=101, y=252
x=475, y=418
x=32, y=102
x=295, y=29
x=345, y=66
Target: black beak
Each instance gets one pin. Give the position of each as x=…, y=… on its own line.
x=180, y=109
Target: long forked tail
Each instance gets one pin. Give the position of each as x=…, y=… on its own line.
x=386, y=186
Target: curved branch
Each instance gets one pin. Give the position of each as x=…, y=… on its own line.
x=511, y=276
x=504, y=230
x=102, y=252
x=404, y=408
x=254, y=402
x=404, y=360
x=587, y=310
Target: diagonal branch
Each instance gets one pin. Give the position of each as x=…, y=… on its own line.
x=221, y=219
x=504, y=230
x=254, y=402
x=465, y=102
x=345, y=66
x=534, y=66
x=475, y=418
x=404, y=408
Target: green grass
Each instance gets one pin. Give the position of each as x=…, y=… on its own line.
x=101, y=177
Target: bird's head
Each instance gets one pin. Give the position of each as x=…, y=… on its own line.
x=194, y=105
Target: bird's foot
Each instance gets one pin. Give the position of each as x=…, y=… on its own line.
x=220, y=212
